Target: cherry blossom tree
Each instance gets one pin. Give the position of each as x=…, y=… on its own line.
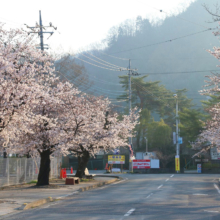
x=45, y=126
x=210, y=136
x=98, y=128
x=27, y=88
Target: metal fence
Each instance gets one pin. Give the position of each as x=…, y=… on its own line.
x=15, y=171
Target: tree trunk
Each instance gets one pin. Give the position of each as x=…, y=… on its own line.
x=4, y=173
x=4, y=155
x=43, y=176
x=82, y=164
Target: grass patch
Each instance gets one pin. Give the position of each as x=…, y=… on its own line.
x=32, y=182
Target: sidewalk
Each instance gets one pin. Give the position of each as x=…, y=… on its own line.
x=12, y=198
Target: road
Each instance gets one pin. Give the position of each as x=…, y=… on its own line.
x=139, y=196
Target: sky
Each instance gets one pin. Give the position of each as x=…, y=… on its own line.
x=85, y=22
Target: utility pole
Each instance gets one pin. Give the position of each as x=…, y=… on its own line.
x=177, y=129
x=133, y=73
x=129, y=77
x=38, y=29
x=41, y=32
x=177, y=157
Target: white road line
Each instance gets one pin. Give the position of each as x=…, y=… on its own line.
x=217, y=188
x=149, y=195
x=129, y=212
x=159, y=186
x=167, y=179
x=172, y=176
x=199, y=194
x=210, y=211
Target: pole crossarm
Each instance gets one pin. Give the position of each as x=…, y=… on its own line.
x=40, y=31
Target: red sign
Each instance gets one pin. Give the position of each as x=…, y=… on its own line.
x=141, y=164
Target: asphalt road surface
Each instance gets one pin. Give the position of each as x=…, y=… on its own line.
x=139, y=196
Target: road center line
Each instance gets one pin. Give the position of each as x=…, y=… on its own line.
x=210, y=211
x=172, y=176
x=167, y=179
x=159, y=186
x=217, y=188
x=149, y=195
x=129, y=212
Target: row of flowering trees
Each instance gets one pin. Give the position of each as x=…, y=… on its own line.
x=210, y=135
x=43, y=116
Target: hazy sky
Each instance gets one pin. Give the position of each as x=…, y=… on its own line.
x=83, y=22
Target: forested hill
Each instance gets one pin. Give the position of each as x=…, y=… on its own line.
x=162, y=61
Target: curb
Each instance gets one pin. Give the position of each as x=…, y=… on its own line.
x=36, y=203
x=82, y=189
x=40, y=202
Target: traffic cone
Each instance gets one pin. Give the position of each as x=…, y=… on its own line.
x=71, y=171
x=64, y=173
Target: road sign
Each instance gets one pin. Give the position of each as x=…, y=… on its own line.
x=177, y=163
x=116, y=159
x=180, y=140
x=141, y=164
x=199, y=168
x=215, y=153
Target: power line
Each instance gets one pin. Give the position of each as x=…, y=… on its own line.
x=106, y=82
x=97, y=65
x=119, y=58
x=10, y=21
x=111, y=66
x=110, y=91
x=167, y=41
x=118, y=67
x=196, y=71
x=100, y=80
x=181, y=58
